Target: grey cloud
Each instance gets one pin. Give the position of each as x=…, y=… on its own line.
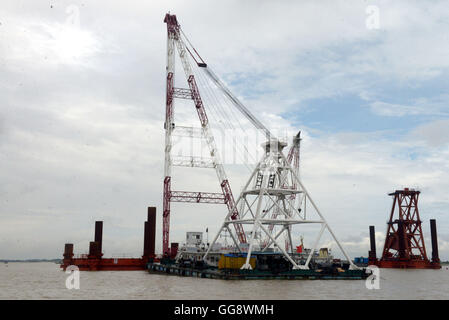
x=435, y=133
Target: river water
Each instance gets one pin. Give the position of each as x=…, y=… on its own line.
x=48, y=281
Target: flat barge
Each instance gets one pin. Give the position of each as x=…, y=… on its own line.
x=238, y=274
x=94, y=261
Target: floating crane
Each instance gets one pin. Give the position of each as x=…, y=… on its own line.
x=272, y=197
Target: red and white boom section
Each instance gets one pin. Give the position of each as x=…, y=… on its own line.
x=176, y=42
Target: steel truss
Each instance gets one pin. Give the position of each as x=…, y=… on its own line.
x=197, y=197
x=273, y=187
x=293, y=160
x=404, y=238
x=174, y=40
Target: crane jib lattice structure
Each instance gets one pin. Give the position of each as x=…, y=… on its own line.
x=176, y=42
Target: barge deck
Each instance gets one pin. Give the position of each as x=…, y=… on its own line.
x=213, y=273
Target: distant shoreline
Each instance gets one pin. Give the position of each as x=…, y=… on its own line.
x=30, y=260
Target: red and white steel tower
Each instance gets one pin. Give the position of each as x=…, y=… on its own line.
x=175, y=42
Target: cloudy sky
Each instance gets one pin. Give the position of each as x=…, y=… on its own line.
x=83, y=96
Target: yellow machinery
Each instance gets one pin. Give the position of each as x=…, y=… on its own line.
x=231, y=261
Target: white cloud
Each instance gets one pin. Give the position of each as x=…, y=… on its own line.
x=422, y=107
x=396, y=110
x=434, y=134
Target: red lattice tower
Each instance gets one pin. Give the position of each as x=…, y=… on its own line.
x=175, y=42
x=404, y=243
